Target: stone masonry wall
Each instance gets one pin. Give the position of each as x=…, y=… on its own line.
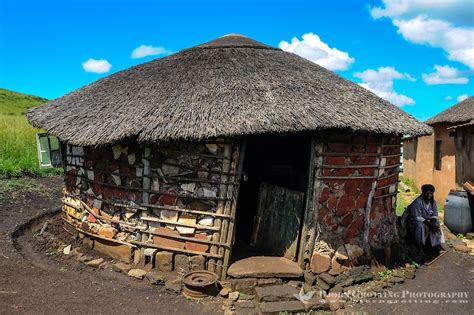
x=175, y=197
x=357, y=186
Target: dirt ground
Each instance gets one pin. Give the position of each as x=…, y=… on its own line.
x=32, y=281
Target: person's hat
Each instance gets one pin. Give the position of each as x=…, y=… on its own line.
x=428, y=187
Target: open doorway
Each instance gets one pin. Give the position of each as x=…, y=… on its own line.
x=272, y=196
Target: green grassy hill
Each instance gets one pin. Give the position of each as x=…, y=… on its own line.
x=18, y=155
x=13, y=103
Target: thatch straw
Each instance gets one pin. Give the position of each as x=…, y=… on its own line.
x=459, y=113
x=227, y=87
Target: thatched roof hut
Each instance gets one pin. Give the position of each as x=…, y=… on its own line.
x=158, y=153
x=460, y=113
x=230, y=86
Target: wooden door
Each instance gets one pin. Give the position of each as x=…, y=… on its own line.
x=277, y=223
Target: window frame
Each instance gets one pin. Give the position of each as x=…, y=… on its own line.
x=437, y=155
x=41, y=150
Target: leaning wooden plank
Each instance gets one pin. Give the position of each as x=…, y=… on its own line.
x=231, y=192
x=221, y=204
x=229, y=237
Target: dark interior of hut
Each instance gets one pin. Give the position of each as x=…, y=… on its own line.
x=272, y=194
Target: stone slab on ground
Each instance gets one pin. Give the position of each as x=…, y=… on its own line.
x=155, y=278
x=265, y=267
x=95, y=263
x=244, y=285
x=283, y=306
x=117, y=251
x=462, y=248
x=121, y=267
x=273, y=293
x=137, y=273
x=174, y=285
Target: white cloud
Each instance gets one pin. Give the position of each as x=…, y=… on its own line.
x=96, y=65
x=445, y=75
x=448, y=98
x=380, y=82
x=462, y=97
x=454, y=11
x=317, y=51
x=148, y=50
x=445, y=24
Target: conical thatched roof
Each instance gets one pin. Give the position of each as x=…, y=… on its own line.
x=230, y=86
x=459, y=113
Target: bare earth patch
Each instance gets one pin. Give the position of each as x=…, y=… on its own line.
x=35, y=281
x=36, y=277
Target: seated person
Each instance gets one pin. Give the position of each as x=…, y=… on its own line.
x=422, y=220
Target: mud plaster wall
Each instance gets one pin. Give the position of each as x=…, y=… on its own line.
x=187, y=193
x=357, y=191
x=422, y=169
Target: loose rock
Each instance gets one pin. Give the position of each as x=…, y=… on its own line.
x=327, y=278
x=279, y=307
x=224, y=292
x=245, y=285
x=396, y=280
x=309, y=277
x=155, y=278
x=95, y=263
x=348, y=252
x=360, y=274
x=137, y=273
x=234, y=296
x=121, y=267
x=335, y=302
x=462, y=248
x=174, y=285
x=322, y=284
x=320, y=262
x=272, y=293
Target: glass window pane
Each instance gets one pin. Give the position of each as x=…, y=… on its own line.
x=45, y=160
x=54, y=143
x=44, y=146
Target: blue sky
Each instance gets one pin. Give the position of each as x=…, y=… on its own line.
x=389, y=46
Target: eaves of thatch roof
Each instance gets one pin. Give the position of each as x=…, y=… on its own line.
x=227, y=87
x=460, y=113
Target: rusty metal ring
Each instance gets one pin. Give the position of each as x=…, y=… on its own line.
x=200, y=284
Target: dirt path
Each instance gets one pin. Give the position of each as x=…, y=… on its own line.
x=46, y=286
x=452, y=273
x=32, y=282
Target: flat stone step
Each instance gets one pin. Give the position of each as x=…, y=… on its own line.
x=265, y=267
x=284, y=306
x=275, y=293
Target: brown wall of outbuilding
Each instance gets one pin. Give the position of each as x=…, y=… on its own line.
x=464, y=154
x=422, y=169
